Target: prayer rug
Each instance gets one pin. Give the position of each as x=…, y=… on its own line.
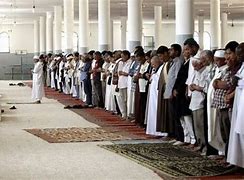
x=76, y=134
x=168, y=160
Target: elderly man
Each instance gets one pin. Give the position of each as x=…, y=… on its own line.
x=37, y=83
x=151, y=115
x=214, y=135
x=224, y=86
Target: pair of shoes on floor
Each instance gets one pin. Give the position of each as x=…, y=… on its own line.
x=67, y=107
x=77, y=106
x=13, y=107
x=21, y=84
x=37, y=102
x=178, y=143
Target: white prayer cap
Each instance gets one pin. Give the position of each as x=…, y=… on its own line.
x=58, y=58
x=197, y=56
x=219, y=54
x=36, y=57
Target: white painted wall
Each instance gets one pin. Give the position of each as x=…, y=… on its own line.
x=21, y=36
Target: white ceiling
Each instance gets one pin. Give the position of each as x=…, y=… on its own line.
x=21, y=10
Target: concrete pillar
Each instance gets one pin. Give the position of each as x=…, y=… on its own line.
x=184, y=27
x=134, y=23
x=103, y=24
x=201, y=29
x=83, y=26
x=58, y=29
x=36, y=38
x=111, y=38
x=224, y=26
x=215, y=24
x=123, y=28
x=68, y=25
x=42, y=35
x=158, y=26
x=49, y=32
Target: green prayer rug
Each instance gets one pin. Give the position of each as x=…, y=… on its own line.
x=169, y=160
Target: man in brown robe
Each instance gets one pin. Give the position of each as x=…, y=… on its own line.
x=162, y=108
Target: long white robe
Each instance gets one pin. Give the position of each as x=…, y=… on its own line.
x=37, y=83
x=151, y=115
x=236, y=142
x=109, y=96
x=214, y=133
x=82, y=91
x=51, y=66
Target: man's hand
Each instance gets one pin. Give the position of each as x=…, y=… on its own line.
x=192, y=87
x=175, y=93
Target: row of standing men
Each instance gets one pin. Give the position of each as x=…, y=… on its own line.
x=183, y=94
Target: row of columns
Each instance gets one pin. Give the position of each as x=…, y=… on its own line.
x=44, y=31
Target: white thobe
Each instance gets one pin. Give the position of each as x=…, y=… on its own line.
x=51, y=66
x=37, y=84
x=236, y=142
x=151, y=115
x=109, y=97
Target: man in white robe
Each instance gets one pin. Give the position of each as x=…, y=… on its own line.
x=236, y=142
x=37, y=83
x=151, y=115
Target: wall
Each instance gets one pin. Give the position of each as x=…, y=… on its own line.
x=21, y=38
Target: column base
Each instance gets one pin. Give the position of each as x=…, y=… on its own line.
x=83, y=50
x=103, y=47
x=180, y=38
x=133, y=44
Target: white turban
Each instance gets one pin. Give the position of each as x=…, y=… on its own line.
x=36, y=57
x=219, y=54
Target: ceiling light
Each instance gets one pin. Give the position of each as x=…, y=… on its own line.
x=33, y=8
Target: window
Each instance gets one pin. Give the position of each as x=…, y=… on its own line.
x=75, y=42
x=148, y=43
x=206, y=40
x=4, y=42
x=196, y=36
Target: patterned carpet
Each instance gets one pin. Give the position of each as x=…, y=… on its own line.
x=74, y=134
x=154, y=156
x=172, y=161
